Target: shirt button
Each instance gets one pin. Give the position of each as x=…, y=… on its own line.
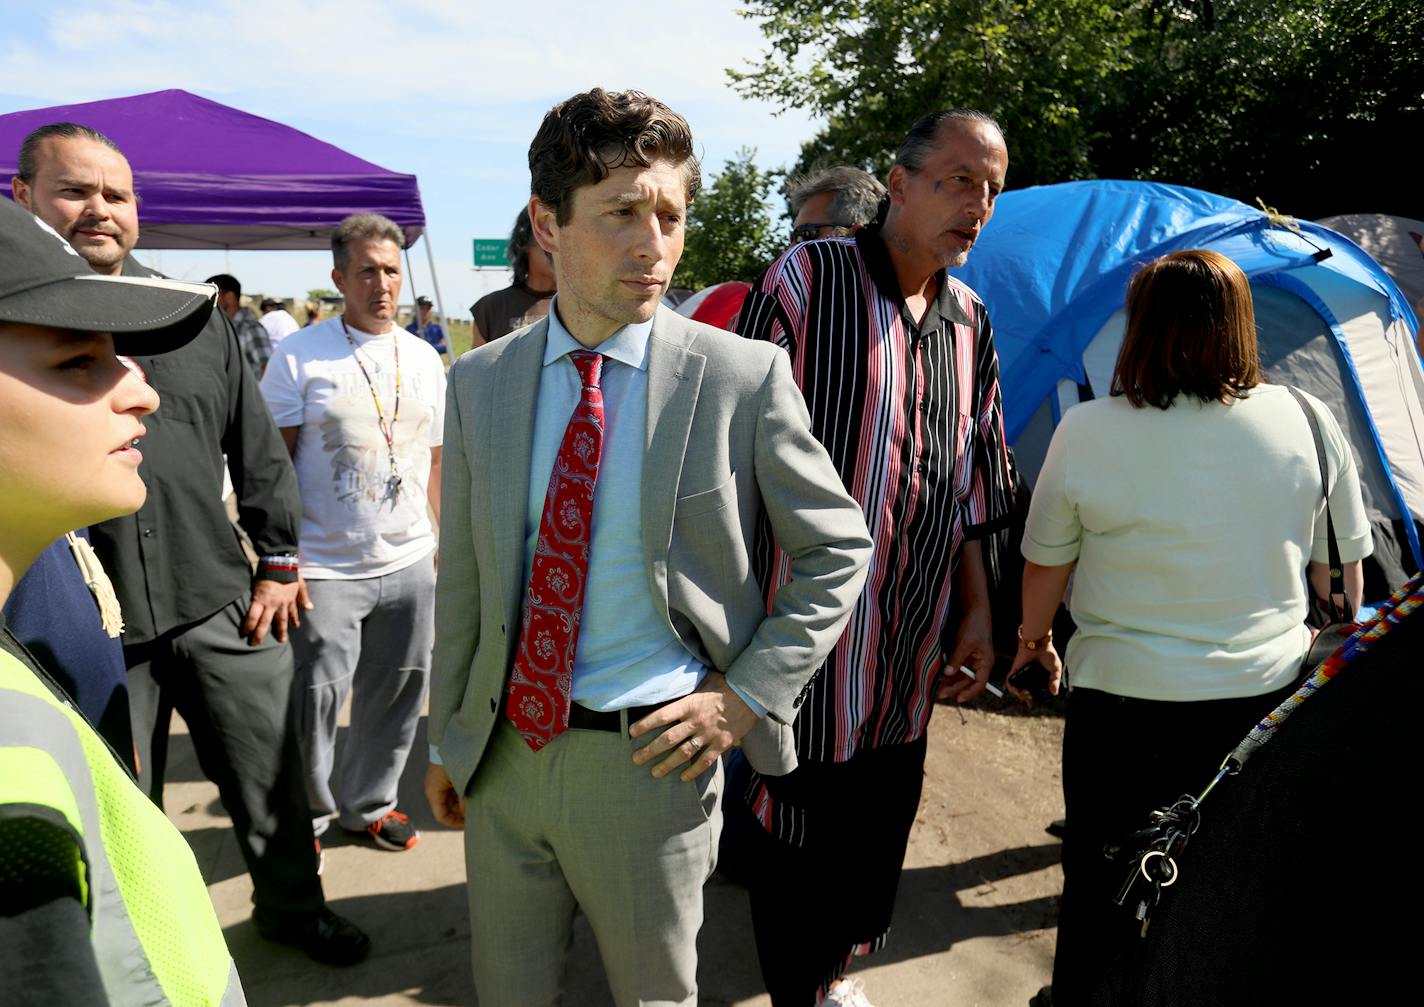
x=920, y=467
x=148, y=533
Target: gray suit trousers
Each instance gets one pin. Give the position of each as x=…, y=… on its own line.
x=578, y=825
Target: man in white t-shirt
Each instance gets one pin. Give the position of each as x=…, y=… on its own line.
x=277, y=320
x=360, y=403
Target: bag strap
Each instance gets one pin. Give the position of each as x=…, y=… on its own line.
x=1337, y=569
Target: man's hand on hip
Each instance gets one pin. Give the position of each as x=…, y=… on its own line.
x=446, y=805
x=700, y=727
x=275, y=606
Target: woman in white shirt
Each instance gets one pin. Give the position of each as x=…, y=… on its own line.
x=1190, y=505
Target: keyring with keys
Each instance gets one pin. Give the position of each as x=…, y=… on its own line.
x=1168, y=863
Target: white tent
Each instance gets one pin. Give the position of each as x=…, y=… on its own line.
x=1396, y=243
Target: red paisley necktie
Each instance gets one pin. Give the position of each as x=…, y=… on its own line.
x=538, y=699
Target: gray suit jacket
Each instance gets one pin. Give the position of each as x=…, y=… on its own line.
x=728, y=436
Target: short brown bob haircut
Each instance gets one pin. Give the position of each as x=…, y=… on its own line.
x=585, y=137
x=1191, y=330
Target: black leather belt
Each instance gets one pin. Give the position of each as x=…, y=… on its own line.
x=581, y=718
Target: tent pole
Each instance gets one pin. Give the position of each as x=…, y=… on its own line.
x=410, y=284
x=439, y=301
x=415, y=308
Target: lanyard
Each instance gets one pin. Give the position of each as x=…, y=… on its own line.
x=388, y=430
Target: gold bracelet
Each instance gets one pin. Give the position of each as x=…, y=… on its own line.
x=1038, y=644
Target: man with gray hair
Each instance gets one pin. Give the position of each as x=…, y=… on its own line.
x=360, y=403
x=832, y=202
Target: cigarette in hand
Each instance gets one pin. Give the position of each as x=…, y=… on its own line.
x=994, y=690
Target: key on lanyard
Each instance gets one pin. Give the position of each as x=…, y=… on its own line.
x=1159, y=846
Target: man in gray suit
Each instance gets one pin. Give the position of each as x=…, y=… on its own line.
x=581, y=635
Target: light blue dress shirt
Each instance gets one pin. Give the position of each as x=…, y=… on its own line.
x=627, y=653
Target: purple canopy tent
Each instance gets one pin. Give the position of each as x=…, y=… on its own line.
x=216, y=177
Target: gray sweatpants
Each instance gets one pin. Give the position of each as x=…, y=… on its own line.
x=373, y=635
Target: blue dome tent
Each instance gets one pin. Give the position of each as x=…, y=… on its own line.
x=1053, y=267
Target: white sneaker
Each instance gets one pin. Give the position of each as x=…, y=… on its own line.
x=848, y=993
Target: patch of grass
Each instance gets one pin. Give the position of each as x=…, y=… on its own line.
x=459, y=334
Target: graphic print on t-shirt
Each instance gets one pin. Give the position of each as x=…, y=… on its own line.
x=351, y=437
x=353, y=525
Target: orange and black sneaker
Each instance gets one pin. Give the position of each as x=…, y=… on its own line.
x=393, y=831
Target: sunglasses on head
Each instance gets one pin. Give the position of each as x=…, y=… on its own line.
x=809, y=232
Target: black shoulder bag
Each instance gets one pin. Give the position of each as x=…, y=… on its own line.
x=1333, y=621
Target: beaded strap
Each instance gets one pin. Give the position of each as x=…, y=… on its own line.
x=1389, y=615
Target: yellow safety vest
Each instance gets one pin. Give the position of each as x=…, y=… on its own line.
x=156, y=938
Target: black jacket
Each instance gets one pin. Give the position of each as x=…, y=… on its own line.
x=180, y=559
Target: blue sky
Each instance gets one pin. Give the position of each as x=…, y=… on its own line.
x=451, y=92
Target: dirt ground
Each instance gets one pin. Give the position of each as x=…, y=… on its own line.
x=974, y=923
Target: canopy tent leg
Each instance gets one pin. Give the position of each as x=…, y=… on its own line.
x=414, y=293
x=439, y=301
x=439, y=305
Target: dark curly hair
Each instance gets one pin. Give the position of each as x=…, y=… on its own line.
x=585, y=137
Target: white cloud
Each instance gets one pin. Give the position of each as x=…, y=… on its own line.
x=450, y=91
x=373, y=77
x=355, y=51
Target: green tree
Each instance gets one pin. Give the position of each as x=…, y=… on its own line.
x=730, y=231
x=1308, y=104
x=872, y=67
x=317, y=293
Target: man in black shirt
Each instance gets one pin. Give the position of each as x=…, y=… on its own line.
x=187, y=591
x=524, y=301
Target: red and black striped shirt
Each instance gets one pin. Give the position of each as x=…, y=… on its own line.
x=912, y=417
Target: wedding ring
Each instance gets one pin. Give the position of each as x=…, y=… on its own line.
x=696, y=743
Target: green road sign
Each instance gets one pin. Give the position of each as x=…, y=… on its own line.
x=490, y=252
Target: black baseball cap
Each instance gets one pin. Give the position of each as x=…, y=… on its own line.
x=272, y=302
x=43, y=281
x=424, y=301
